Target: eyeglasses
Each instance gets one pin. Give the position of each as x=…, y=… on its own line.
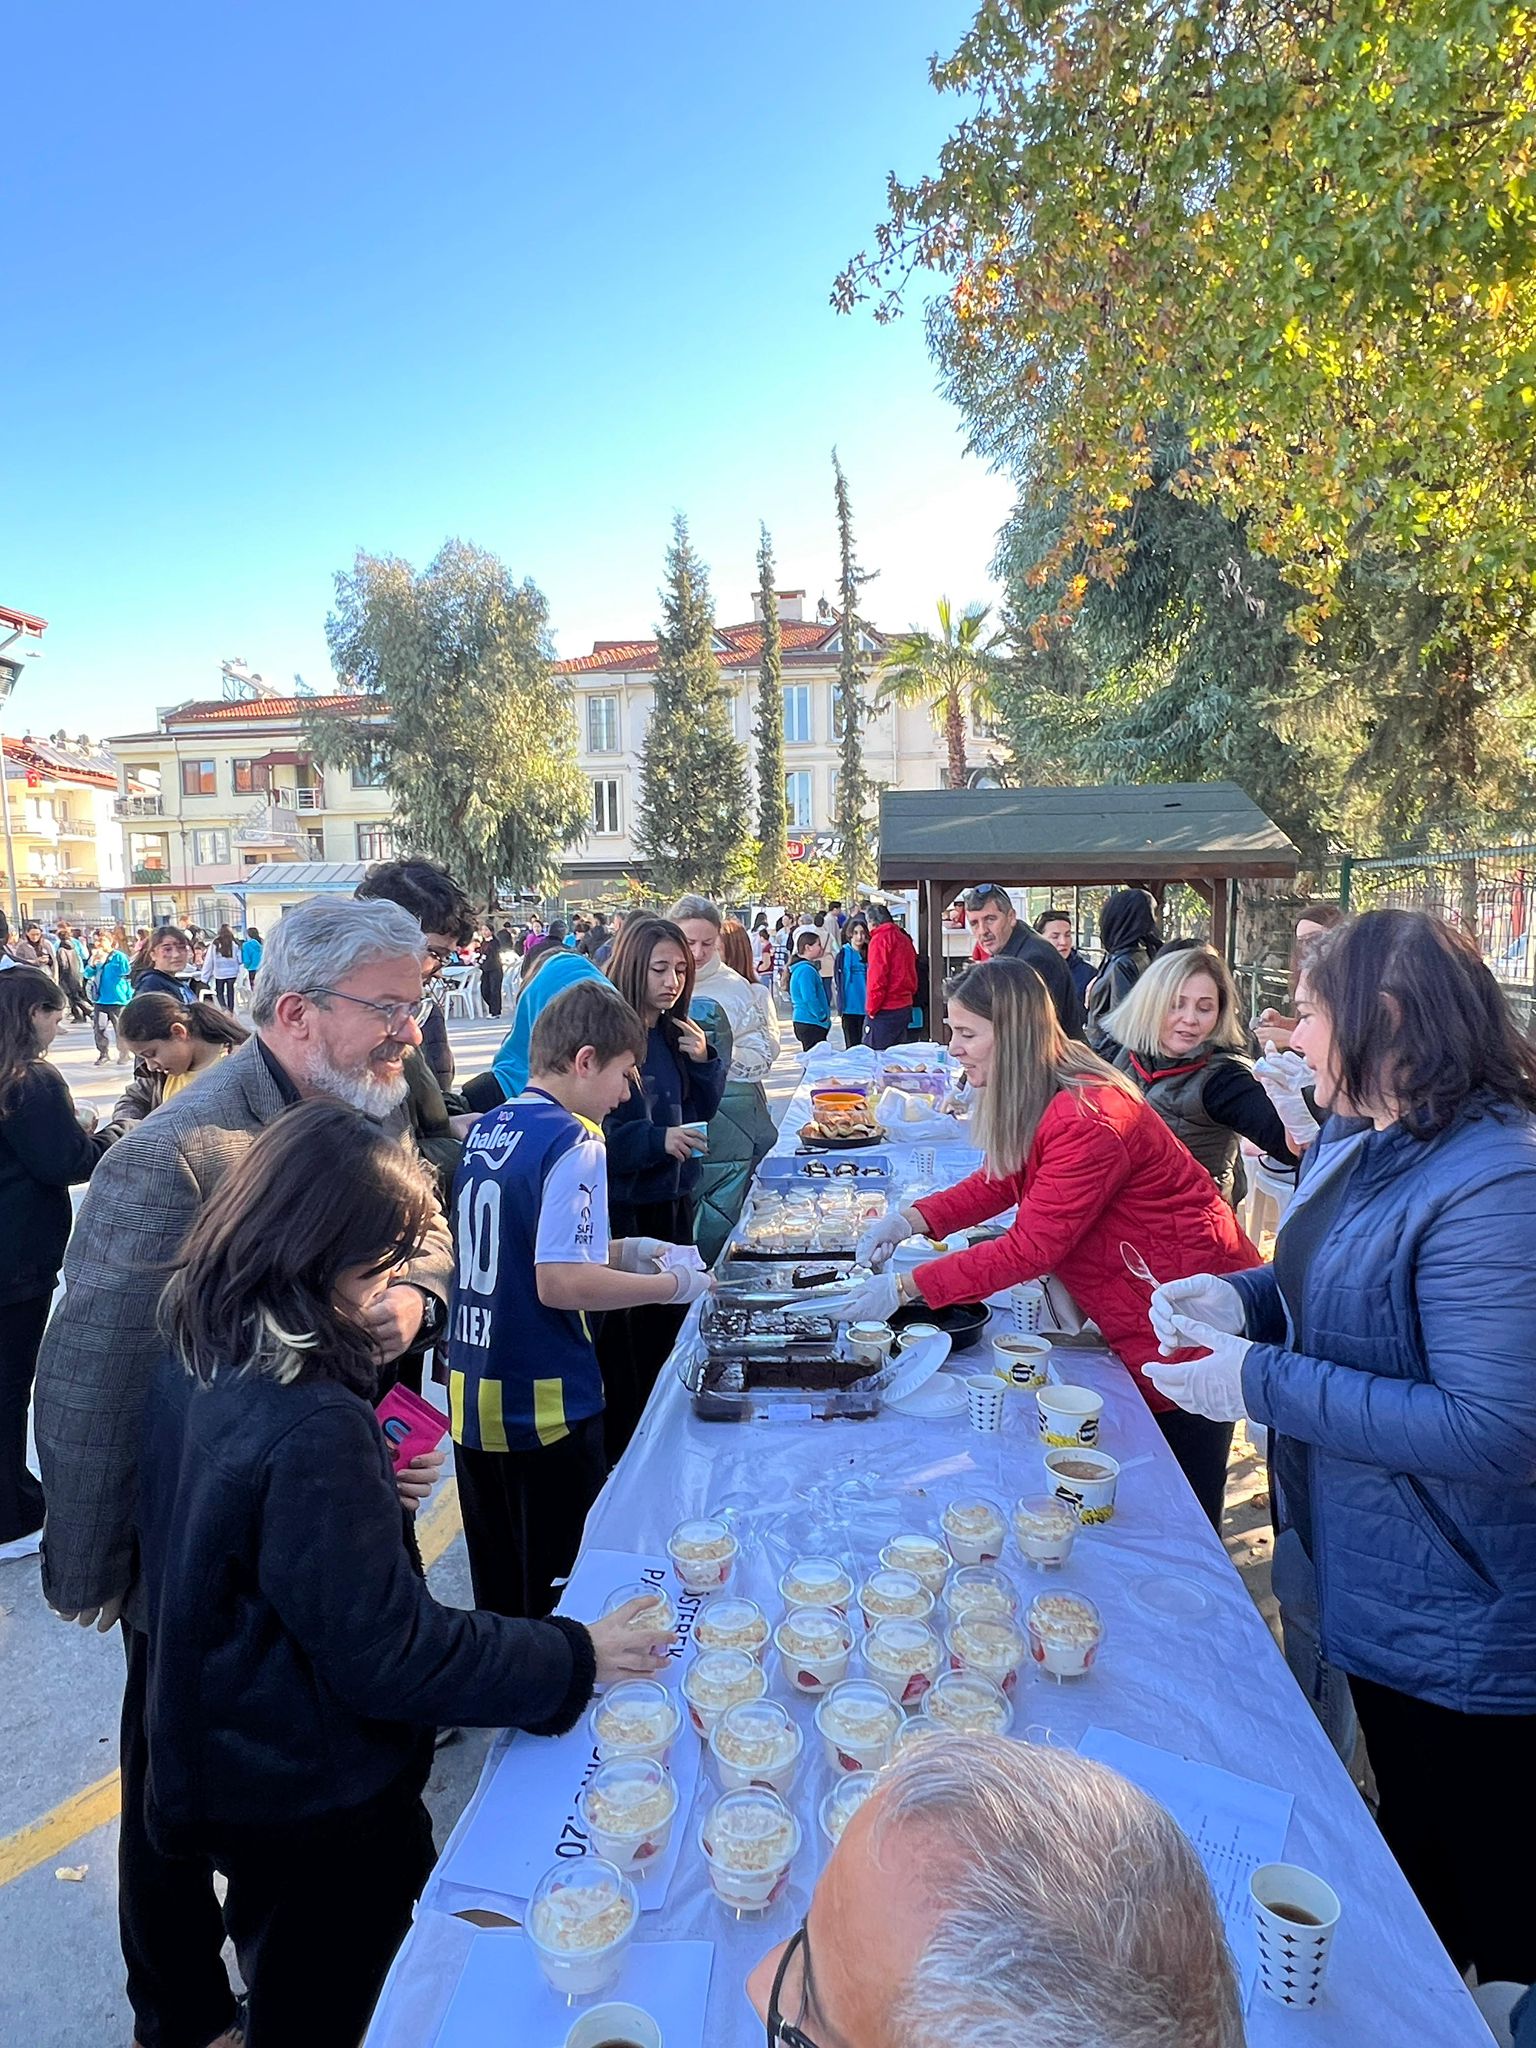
x=440, y=954
x=393, y=1015
x=793, y=1973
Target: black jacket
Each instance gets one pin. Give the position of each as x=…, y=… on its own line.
x=43, y=1154
x=674, y=1090
x=1023, y=944
x=295, y=1656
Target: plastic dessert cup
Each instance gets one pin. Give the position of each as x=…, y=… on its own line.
x=814, y=1645
x=870, y=1343
x=1068, y=1415
x=703, y=1553
x=917, y=1728
x=1085, y=1480
x=628, y=1806
x=980, y=1589
x=717, y=1679
x=990, y=1647
x=974, y=1528
x=1065, y=1632
x=904, y=1658
x=658, y=1615
x=838, y=1806
x=817, y=1582
x=888, y=1593
x=1021, y=1361
x=923, y=1556
x=966, y=1703
x=756, y=1743
x=857, y=1722
x=1045, y=1530
x=729, y=1621
x=638, y=1718
x=749, y=1841
x=581, y=1920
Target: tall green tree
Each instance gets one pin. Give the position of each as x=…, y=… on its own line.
x=851, y=821
x=693, y=809
x=954, y=672
x=470, y=724
x=772, y=809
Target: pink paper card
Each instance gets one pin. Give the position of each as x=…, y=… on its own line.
x=411, y=1426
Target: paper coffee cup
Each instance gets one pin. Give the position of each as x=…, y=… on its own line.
x=1294, y=1917
x=1021, y=1360
x=1068, y=1415
x=615, y=2024
x=985, y=1397
x=1085, y=1480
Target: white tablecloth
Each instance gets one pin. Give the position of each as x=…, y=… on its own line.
x=1214, y=1688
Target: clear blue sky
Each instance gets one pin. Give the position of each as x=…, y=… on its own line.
x=289, y=280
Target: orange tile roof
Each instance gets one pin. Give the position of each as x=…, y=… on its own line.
x=743, y=647
x=56, y=763
x=217, y=711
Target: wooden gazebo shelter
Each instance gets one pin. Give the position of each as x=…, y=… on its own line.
x=1208, y=834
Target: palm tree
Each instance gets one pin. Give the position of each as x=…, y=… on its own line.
x=952, y=672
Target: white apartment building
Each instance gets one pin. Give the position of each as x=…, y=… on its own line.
x=221, y=787
x=614, y=689
x=60, y=830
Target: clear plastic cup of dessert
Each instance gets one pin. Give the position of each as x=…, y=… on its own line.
x=814, y=1645
x=904, y=1657
x=756, y=1743
x=975, y=1529
x=838, y=1806
x=656, y=1616
x=915, y=1729
x=857, y=1722
x=703, y=1552
x=581, y=1920
x=817, y=1582
x=628, y=1805
x=1045, y=1529
x=1065, y=1632
x=730, y=1621
x=717, y=1679
x=637, y=1718
x=923, y=1556
x=888, y=1593
x=991, y=1645
x=980, y=1589
x=749, y=1839
x=966, y=1703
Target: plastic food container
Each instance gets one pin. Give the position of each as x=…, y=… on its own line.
x=817, y=1582
x=1065, y=1632
x=975, y=1529
x=990, y=1646
x=749, y=1840
x=628, y=1806
x=814, y=1644
x=703, y=1552
x=638, y=1718
x=839, y=1805
x=980, y=1589
x=729, y=1621
x=1045, y=1529
x=917, y=1728
x=904, y=1657
x=756, y=1743
x=888, y=1593
x=967, y=1704
x=923, y=1556
x=717, y=1679
x=658, y=1616
x=857, y=1722
x=581, y=1920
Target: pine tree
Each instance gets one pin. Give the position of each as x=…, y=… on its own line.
x=850, y=819
x=693, y=780
x=772, y=810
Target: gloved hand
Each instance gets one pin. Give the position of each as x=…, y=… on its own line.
x=1210, y=1386
x=876, y=1301
x=640, y=1254
x=883, y=1236
x=1282, y=1076
x=1205, y=1299
x=691, y=1283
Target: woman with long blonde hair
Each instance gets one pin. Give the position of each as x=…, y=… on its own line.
x=1091, y=1169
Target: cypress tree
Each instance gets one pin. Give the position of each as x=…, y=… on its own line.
x=850, y=819
x=772, y=810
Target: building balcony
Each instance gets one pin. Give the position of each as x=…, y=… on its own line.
x=305, y=797
x=138, y=807
x=271, y=825
x=155, y=877
x=76, y=828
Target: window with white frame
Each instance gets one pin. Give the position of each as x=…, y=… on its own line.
x=210, y=849
x=602, y=725
x=797, y=799
x=369, y=774
x=375, y=841
x=797, y=713
x=605, y=804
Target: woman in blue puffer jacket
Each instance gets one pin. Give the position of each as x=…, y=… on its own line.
x=1391, y=1348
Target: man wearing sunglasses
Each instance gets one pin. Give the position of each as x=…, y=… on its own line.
x=1001, y=934
x=991, y=1890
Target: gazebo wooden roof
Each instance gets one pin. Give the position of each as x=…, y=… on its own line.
x=1208, y=834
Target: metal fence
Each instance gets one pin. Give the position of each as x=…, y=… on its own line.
x=1485, y=891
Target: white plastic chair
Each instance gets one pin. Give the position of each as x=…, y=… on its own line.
x=461, y=992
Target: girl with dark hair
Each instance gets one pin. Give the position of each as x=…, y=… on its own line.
x=172, y=1043
x=1130, y=939
x=1389, y=1351
x=299, y=1664
x=222, y=966
x=652, y=1174
x=164, y=964
x=44, y=1151
x=850, y=979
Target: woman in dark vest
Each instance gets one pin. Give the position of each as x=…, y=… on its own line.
x=1179, y=1037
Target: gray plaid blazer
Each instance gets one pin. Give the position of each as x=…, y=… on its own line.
x=101, y=1345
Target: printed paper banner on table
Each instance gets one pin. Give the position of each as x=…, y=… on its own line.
x=502, y=1994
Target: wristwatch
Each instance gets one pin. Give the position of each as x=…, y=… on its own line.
x=433, y=1315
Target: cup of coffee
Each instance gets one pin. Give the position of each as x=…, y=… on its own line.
x=1294, y=1916
x=615, y=2024
x=1085, y=1480
x=1021, y=1361
x=1068, y=1415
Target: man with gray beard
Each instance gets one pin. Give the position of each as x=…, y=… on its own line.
x=336, y=1009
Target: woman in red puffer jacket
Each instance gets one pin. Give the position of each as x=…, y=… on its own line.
x=1091, y=1167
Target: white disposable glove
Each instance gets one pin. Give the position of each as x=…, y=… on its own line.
x=876, y=1301
x=1211, y=1386
x=883, y=1236
x=1282, y=1076
x=640, y=1254
x=691, y=1283
x=1203, y=1298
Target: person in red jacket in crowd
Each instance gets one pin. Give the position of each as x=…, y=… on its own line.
x=891, y=981
x=1092, y=1168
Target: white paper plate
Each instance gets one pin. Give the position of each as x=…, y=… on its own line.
x=916, y=1366
x=939, y=1396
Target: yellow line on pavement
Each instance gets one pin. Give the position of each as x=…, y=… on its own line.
x=85, y=1811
